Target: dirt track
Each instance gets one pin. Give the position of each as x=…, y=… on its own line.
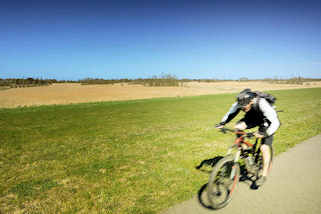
x=76, y=93
x=294, y=186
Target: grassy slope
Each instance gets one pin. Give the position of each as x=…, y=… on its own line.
x=125, y=157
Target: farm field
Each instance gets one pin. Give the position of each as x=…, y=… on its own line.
x=76, y=93
x=134, y=156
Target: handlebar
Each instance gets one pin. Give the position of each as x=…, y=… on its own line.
x=243, y=133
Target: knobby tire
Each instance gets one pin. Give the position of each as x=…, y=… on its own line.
x=220, y=186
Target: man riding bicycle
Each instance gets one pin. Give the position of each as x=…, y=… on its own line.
x=258, y=113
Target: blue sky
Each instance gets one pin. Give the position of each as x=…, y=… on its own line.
x=72, y=40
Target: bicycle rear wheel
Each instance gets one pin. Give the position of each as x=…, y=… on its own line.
x=222, y=182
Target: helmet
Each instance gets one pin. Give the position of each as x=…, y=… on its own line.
x=245, y=97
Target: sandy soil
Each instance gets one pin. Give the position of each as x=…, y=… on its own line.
x=76, y=93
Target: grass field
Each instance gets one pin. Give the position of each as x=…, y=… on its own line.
x=128, y=156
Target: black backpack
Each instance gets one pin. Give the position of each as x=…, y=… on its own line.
x=268, y=97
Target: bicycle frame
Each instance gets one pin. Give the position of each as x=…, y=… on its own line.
x=226, y=172
x=238, y=143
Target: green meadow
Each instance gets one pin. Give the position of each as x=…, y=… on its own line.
x=126, y=157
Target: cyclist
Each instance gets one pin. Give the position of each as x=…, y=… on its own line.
x=258, y=113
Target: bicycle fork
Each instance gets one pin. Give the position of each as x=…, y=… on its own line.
x=236, y=159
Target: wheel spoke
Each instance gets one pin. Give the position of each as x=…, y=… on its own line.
x=221, y=185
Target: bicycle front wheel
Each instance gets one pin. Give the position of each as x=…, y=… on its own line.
x=222, y=182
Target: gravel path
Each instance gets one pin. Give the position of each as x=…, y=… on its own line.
x=294, y=186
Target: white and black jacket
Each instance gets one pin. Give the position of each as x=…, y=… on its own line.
x=261, y=113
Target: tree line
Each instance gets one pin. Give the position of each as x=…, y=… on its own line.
x=155, y=81
x=25, y=82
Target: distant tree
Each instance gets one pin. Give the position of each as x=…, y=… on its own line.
x=244, y=79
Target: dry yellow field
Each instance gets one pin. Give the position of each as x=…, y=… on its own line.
x=76, y=93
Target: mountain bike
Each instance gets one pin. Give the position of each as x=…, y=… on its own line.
x=226, y=172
